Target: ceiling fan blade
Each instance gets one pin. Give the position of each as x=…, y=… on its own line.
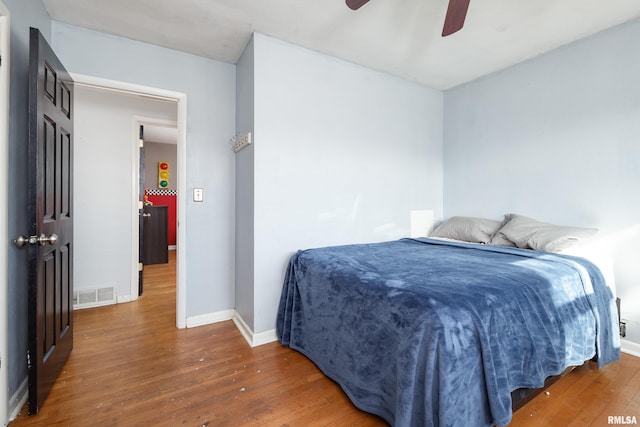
x=356, y=4
x=456, y=13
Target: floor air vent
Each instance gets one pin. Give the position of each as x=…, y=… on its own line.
x=85, y=298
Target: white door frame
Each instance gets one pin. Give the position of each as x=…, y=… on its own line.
x=181, y=99
x=4, y=202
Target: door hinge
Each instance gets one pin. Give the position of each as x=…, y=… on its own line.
x=141, y=143
x=140, y=267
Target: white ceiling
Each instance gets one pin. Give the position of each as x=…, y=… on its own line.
x=400, y=37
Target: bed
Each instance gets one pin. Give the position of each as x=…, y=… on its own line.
x=430, y=332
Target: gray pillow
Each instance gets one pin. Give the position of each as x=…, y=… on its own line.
x=468, y=229
x=529, y=233
x=500, y=239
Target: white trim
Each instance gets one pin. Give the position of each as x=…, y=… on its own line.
x=630, y=347
x=181, y=240
x=4, y=202
x=135, y=244
x=265, y=337
x=121, y=299
x=253, y=339
x=18, y=399
x=207, y=319
x=181, y=98
x=125, y=87
x=244, y=329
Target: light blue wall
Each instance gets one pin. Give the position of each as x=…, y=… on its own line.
x=342, y=155
x=210, y=88
x=556, y=138
x=24, y=14
x=245, y=188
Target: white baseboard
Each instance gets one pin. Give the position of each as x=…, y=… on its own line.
x=254, y=340
x=265, y=337
x=18, y=399
x=630, y=347
x=207, y=319
x=242, y=326
x=124, y=298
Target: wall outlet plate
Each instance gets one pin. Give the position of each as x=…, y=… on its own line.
x=198, y=195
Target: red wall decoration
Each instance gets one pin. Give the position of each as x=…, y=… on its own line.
x=166, y=198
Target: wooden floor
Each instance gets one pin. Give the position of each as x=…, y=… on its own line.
x=131, y=367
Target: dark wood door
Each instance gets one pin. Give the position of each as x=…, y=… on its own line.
x=51, y=215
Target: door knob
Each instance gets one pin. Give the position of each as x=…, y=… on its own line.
x=32, y=240
x=52, y=240
x=22, y=241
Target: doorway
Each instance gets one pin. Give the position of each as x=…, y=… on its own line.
x=157, y=177
x=178, y=100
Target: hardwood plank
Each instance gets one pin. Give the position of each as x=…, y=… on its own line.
x=131, y=366
x=585, y=396
x=627, y=399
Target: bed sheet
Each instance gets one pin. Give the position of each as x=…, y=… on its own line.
x=425, y=332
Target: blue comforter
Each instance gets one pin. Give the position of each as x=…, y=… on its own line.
x=431, y=333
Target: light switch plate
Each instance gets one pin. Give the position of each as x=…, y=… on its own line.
x=198, y=195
